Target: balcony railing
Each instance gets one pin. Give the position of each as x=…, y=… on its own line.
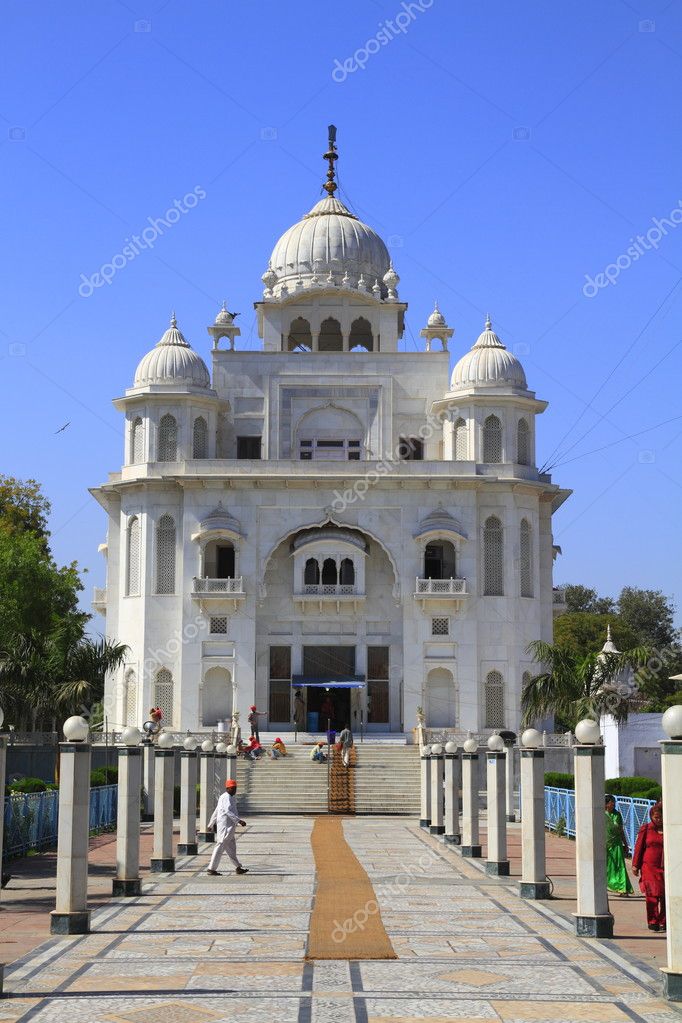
x=558, y=596
x=330, y=590
x=99, y=599
x=219, y=587
x=441, y=587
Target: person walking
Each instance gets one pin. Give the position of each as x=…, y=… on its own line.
x=254, y=714
x=617, y=879
x=225, y=819
x=346, y=740
x=647, y=864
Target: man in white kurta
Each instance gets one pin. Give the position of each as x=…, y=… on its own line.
x=225, y=819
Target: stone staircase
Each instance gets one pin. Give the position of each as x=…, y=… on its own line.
x=385, y=781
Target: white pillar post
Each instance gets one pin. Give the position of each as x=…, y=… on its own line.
x=497, y=863
x=453, y=783
x=148, y=764
x=219, y=776
x=533, y=883
x=592, y=917
x=71, y=914
x=471, y=843
x=187, y=846
x=437, y=826
x=671, y=784
x=127, y=881
x=231, y=767
x=510, y=808
x=206, y=804
x=162, y=860
x=425, y=769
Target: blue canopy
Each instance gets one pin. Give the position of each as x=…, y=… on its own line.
x=314, y=681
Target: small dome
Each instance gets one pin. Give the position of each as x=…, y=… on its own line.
x=328, y=240
x=436, y=319
x=172, y=361
x=224, y=317
x=488, y=364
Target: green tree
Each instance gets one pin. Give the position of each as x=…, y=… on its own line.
x=650, y=615
x=582, y=632
x=23, y=507
x=583, y=600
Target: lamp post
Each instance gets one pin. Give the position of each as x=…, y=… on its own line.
x=425, y=775
x=497, y=863
x=205, y=791
x=71, y=914
x=187, y=846
x=592, y=916
x=533, y=883
x=453, y=783
x=671, y=783
x=127, y=881
x=162, y=860
x=471, y=843
x=509, y=739
x=437, y=826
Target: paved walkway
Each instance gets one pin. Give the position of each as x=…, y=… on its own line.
x=194, y=949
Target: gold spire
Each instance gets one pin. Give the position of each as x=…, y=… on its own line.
x=331, y=156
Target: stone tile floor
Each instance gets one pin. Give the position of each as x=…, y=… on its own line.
x=195, y=949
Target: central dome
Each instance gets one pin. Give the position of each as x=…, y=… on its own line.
x=330, y=240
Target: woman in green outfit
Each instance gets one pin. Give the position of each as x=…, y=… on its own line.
x=617, y=879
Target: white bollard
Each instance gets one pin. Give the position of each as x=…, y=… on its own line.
x=162, y=860
x=231, y=764
x=510, y=808
x=471, y=843
x=127, y=881
x=437, y=826
x=220, y=771
x=453, y=783
x=187, y=845
x=425, y=769
x=497, y=863
x=592, y=916
x=533, y=883
x=206, y=786
x=671, y=783
x=148, y=764
x=71, y=914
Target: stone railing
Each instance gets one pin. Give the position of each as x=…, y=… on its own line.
x=440, y=587
x=218, y=586
x=331, y=590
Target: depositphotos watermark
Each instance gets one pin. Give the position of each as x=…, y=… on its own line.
x=639, y=245
x=389, y=30
x=137, y=243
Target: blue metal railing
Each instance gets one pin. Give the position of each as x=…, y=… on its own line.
x=31, y=819
x=560, y=804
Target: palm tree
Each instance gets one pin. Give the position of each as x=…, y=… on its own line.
x=575, y=686
x=81, y=665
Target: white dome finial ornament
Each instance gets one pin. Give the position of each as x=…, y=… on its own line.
x=436, y=329
x=224, y=326
x=172, y=362
x=488, y=364
x=391, y=280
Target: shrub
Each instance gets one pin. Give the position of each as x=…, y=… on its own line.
x=23, y=785
x=111, y=774
x=636, y=788
x=98, y=777
x=559, y=780
x=560, y=827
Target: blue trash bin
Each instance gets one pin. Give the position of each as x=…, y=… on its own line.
x=313, y=720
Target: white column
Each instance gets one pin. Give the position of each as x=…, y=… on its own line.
x=231, y=767
x=162, y=860
x=497, y=863
x=437, y=826
x=453, y=784
x=219, y=776
x=127, y=881
x=592, y=917
x=471, y=843
x=71, y=914
x=510, y=808
x=148, y=780
x=671, y=783
x=425, y=769
x=534, y=883
x=206, y=804
x=187, y=846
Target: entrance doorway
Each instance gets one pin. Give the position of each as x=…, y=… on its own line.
x=333, y=663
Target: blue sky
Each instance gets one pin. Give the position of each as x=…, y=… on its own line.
x=503, y=151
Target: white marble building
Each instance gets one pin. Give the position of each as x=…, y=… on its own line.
x=328, y=509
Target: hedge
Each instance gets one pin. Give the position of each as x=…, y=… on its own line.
x=635, y=788
x=559, y=780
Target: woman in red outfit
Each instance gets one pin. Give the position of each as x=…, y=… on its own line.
x=647, y=864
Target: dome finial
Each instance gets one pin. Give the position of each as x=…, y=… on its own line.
x=331, y=156
x=488, y=322
x=173, y=321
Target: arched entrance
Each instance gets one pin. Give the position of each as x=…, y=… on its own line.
x=441, y=704
x=216, y=704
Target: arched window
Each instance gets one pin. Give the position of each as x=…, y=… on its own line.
x=361, y=335
x=136, y=441
x=331, y=338
x=347, y=573
x=440, y=560
x=493, y=558
x=300, y=338
x=168, y=439
x=526, y=558
x=165, y=555
x=311, y=575
x=494, y=700
x=460, y=441
x=492, y=440
x=329, y=572
x=133, y=558
x=200, y=438
x=130, y=708
x=523, y=442
x=163, y=695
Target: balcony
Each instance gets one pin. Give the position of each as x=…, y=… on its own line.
x=558, y=601
x=329, y=595
x=99, y=599
x=219, y=594
x=434, y=590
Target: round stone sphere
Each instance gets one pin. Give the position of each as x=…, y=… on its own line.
x=207, y=746
x=450, y=747
x=436, y=749
x=231, y=750
x=165, y=740
x=190, y=743
x=672, y=722
x=531, y=738
x=131, y=736
x=426, y=751
x=470, y=746
x=220, y=747
x=496, y=743
x=76, y=729
x=588, y=732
